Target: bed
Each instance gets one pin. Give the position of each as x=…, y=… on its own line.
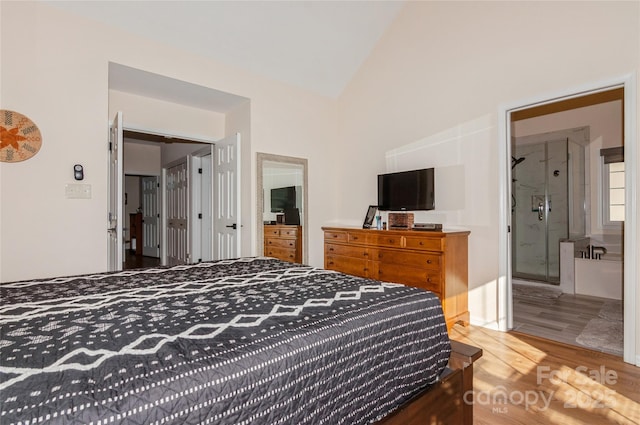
x=242, y=341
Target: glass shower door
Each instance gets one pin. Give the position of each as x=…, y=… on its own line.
x=539, y=209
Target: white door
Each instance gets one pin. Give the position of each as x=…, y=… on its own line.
x=206, y=242
x=115, y=252
x=201, y=223
x=227, y=198
x=177, y=195
x=150, y=217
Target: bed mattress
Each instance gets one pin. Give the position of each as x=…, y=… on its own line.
x=243, y=341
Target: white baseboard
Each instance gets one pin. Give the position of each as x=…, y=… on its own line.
x=492, y=324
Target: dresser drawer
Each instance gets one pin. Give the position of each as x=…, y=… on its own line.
x=280, y=243
x=392, y=241
x=355, y=237
x=423, y=243
x=280, y=253
x=289, y=233
x=353, y=266
x=420, y=278
x=271, y=231
x=347, y=250
x=335, y=236
x=414, y=259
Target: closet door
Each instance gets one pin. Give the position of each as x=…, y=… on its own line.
x=177, y=193
x=150, y=217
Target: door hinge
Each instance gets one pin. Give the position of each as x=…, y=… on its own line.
x=200, y=216
x=158, y=184
x=199, y=260
x=158, y=245
x=508, y=229
x=199, y=170
x=110, y=146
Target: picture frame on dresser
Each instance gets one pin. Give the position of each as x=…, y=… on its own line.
x=368, y=219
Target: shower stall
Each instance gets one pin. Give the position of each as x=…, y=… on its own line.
x=547, y=205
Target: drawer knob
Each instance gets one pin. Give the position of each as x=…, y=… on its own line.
x=331, y=249
x=364, y=254
x=391, y=241
x=421, y=243
x=428, y=261
x=355, y=238
x=429, y=279
x=335, y=236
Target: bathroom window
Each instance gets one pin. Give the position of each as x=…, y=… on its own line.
x=615, y=184
x=612, y=186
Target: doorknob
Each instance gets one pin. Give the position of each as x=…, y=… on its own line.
x=233, y=226
x=540, y=210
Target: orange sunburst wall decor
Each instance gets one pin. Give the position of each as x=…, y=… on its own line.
x=20, y=138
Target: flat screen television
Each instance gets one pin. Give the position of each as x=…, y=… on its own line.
x=283, y=198
x=407, y=190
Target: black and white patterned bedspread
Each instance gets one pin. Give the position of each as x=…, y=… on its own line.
x=245, y=341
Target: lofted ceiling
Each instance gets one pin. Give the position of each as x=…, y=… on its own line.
x=317, y=45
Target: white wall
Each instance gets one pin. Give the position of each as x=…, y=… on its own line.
x=158, y=116
x=57, y=74
x=141, y=159
x=436, y=81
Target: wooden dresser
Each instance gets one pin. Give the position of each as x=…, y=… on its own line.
x=436, y=261
x=283, y=241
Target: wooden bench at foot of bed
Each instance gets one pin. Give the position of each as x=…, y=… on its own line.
x=444, y=401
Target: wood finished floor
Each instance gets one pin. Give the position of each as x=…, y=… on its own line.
x=561, y=319
x=132, y=261
x=527, y=368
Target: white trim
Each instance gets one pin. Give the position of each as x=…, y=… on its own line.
x=504, y=304
x=630, y=225
x=505, y=307
x=493, y=325
x=163, y=216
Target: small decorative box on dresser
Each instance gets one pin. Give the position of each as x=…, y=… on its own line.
x=283, y=241
x=436, y=261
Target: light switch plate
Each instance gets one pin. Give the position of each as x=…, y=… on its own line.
x=77, y=191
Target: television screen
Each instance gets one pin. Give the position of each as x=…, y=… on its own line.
x=406, y=190
x=283, y=198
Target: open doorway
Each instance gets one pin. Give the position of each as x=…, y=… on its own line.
x=566, y=250
x=146, y=232
x=142, y=217
x=554, y=229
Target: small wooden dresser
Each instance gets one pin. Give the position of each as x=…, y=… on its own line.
x=436, y=261
x=283, y=241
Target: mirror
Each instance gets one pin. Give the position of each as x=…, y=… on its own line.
x=282, y=204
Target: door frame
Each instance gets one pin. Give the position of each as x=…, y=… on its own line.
x=505, y=301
